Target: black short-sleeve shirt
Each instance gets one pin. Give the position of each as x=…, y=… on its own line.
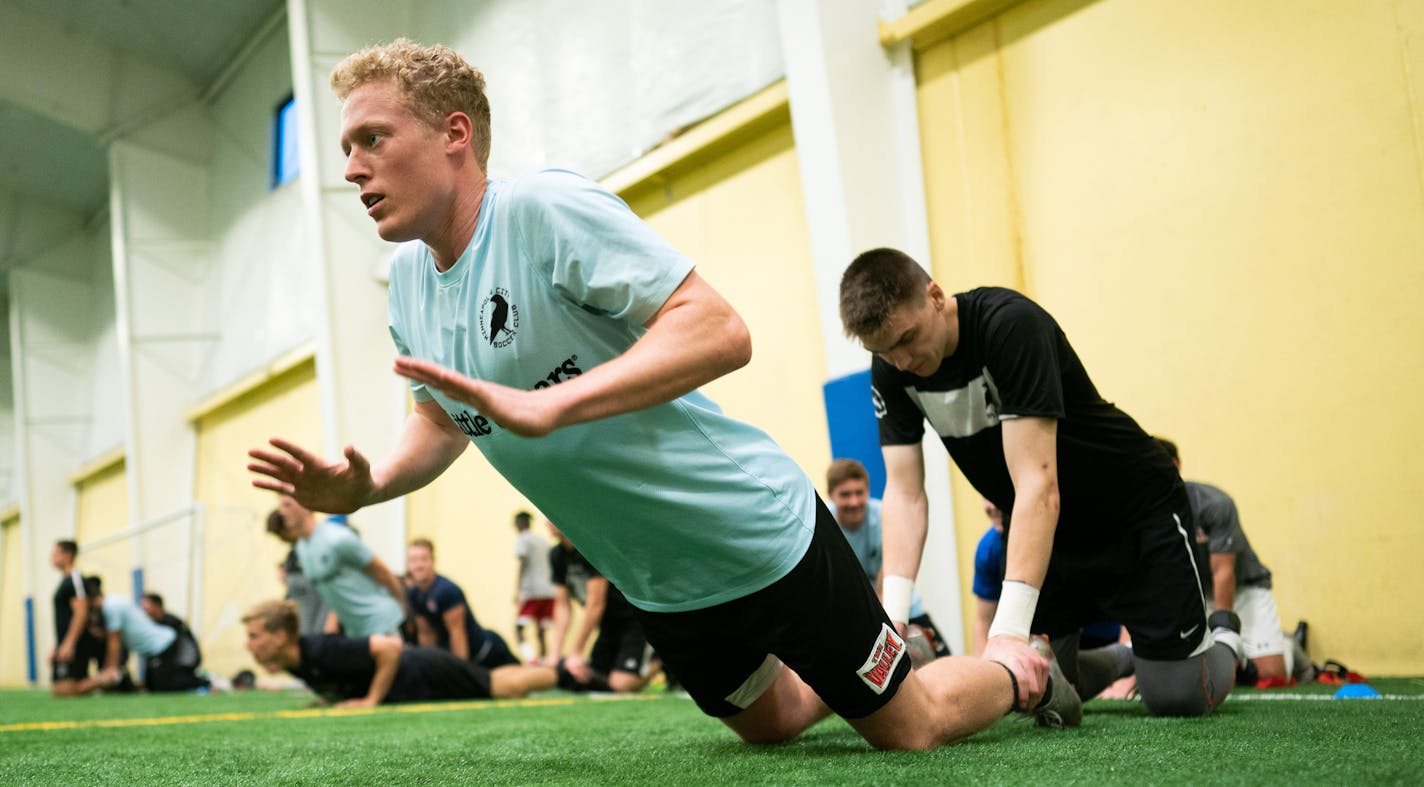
x=568, y=567
x=70, y=588
x=338, y=667
x=1013, y=360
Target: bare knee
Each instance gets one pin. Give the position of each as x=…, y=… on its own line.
x=1270, y=667
x=626, y=681
x=65, y=688
x=767, y=735
x=904, y=740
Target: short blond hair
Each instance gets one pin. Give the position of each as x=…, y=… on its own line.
x=433, y=81
x=275, y=616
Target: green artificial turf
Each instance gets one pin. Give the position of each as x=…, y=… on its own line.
x=657, y=739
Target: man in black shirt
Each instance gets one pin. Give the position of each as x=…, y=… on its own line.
x=368, y=671
x=619, y=652
x=75, y=648
x=1076, y=477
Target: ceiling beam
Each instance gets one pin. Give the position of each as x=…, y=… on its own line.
x=81, y=81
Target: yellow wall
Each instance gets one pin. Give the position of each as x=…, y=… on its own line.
x=12, y=606
x=751, y=248
x=738, y=213
x=1223, y=205
x=102, y=509
x=239, y=558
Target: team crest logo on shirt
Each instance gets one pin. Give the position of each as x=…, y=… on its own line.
x=499, y=318
x=879, y=402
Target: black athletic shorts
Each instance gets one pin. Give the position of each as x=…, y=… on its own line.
x=87, y=649
x=427, y=674
x=176, y=668
x=493, y=652
x=620, y=646
x=822, y=620
x=1146, y=579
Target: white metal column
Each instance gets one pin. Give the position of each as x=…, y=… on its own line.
x=854, y=116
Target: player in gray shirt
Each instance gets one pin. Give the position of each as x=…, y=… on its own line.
x=1239, y=582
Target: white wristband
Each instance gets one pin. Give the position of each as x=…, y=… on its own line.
x=897, y=597
x=1017, y=602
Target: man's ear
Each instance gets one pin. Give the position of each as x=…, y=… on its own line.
x=935, y=294
x=459, y=132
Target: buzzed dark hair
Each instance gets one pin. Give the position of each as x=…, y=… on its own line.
x=155, y=598
x=522, y=520
x=1168, y=446
x=68, y=547
x=875, y=284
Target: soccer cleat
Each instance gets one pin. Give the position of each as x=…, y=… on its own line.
x=1302, y=635
x=1226, y=629
x=1061, y=706
x=919, y=646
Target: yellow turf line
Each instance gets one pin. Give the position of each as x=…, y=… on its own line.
x=306, y=713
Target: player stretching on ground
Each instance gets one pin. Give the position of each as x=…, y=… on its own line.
x=539, y=319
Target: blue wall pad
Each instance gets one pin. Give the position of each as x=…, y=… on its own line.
x=855, y=434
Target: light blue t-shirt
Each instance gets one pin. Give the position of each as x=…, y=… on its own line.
x=141, y=635
x=678, y=505
x=866, y=544
x=335, y=561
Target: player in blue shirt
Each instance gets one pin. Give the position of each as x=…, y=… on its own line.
x=364, y=596
x=443, y=618
x=539, y=319
x=858, y=514
x=171, y=657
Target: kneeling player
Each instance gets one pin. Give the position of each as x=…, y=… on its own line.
x=368, y=671
x=616, y=663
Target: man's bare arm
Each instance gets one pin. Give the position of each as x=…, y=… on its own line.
x=904, y=522
x=694, y=338
x=382, y=574
x=1223, y=580
x=386, y=650
x=592, y=613
x=455, y=624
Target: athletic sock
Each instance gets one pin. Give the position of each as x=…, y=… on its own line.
x=1099, y=667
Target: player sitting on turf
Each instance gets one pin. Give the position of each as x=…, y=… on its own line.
x=171, y=657
x=443, y=618
x=858, y=514
x=368, y=671
x=617, y=660
x=1240, y=583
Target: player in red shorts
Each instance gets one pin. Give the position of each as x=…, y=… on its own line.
x=533, y=594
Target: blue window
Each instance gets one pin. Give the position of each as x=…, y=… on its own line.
x=286, y=162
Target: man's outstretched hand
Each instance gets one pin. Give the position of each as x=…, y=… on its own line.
x=338, y=487
x=525, y=413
